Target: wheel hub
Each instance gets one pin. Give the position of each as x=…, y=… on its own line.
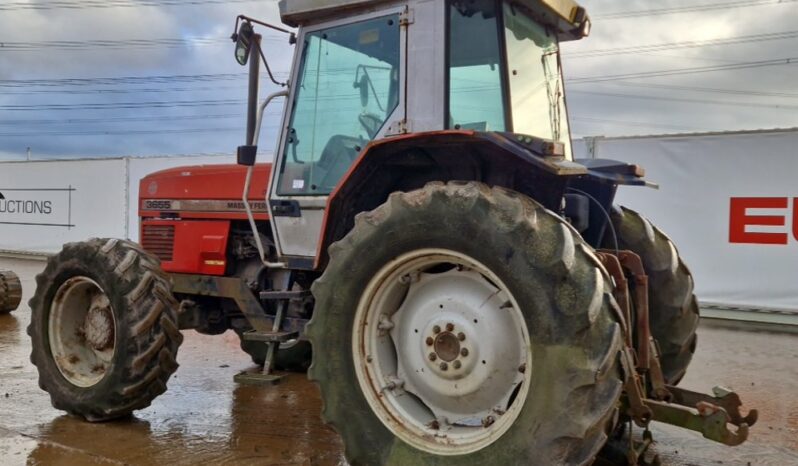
x=447, y=346
x=444, y=332
x=81, y=331
x=99, y=324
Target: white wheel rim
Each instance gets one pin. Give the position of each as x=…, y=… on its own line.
x=82, y=330
x=442, y=352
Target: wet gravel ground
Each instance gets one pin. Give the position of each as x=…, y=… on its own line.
x=206, y=418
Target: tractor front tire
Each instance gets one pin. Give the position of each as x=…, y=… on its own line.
x=103, y=329
x=459, y=324
x=673, y=308
x=10, y=291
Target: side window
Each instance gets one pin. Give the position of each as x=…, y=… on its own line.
x=348, y=86
x=475, y=77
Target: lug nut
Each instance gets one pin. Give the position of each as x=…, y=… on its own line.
x=444, y=366
x=522, y=368
x=429, y=341
x=488, y=421
x=464, y=352
x=433, y=356
x=456, y=364
x=461, y=336
x=436, y=329
x=449, y=327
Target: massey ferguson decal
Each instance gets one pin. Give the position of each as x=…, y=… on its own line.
x=747, y=226
x=202, y=205
x=48, y=207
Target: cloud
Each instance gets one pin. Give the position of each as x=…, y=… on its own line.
x=754, y=111
x=611, y=108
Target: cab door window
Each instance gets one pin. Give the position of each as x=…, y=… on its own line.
x=347, y=89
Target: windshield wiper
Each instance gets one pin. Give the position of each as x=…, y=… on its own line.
x=553, y=92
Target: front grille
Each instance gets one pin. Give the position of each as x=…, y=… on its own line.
x=159, y=240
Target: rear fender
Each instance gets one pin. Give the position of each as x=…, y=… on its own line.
x=600, y=185
x=408, y=162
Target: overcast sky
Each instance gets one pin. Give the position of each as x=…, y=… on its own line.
x=52, y=101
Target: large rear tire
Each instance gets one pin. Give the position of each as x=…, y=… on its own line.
x=103, y=329
x=454, y=267
x=10, y=291
x=673, y=308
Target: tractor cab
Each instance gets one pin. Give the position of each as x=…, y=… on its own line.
x=369, y=70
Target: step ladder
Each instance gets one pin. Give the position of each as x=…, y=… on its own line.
x=275, y=337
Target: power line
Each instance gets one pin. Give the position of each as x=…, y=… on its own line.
x=121, y=105
x=85, y=4
x=120, y=132
x=691, y=9
x=708, y=89
x=683, y=45
x=68, y=121
x=86, y=45
x=682, y=71
x=685, y=100
x=106, y=81
x=124, y=91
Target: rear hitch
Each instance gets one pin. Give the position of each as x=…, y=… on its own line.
x=709, y=419
x=724, y=398
x=647, y=397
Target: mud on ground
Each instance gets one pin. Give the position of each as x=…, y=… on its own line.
x=205, y=418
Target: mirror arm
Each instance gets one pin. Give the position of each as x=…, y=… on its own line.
x=253, y=20
x=268, y=69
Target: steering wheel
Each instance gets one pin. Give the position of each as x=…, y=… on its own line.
x=371, y=123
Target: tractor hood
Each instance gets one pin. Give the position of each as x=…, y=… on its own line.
x=205, y=182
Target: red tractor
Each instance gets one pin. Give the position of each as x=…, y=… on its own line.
x=469, y=290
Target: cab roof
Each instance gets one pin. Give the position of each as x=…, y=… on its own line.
x=566, y=16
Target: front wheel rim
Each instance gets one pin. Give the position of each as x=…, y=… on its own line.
x=82, y=331
x=442, y=352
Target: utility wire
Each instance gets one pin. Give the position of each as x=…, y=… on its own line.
x=789, y=95
x=682, y=45
x=685, y=100
x=106, y=81
x=120, y=132
x=147, y=90
x=68, y=121
x=80, y=5
x=119, y=105
x=682, y=71
x=691, y=9
x=87, y=45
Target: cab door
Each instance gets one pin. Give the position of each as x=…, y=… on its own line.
x=347, y=89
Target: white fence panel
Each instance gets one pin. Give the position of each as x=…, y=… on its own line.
x=47, y=204
x=743, y=256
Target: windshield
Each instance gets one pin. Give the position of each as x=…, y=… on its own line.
x=504, y=72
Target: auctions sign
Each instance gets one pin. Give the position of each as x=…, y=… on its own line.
x=47, y=207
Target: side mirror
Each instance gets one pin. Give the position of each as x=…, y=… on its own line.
x=243, y=42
